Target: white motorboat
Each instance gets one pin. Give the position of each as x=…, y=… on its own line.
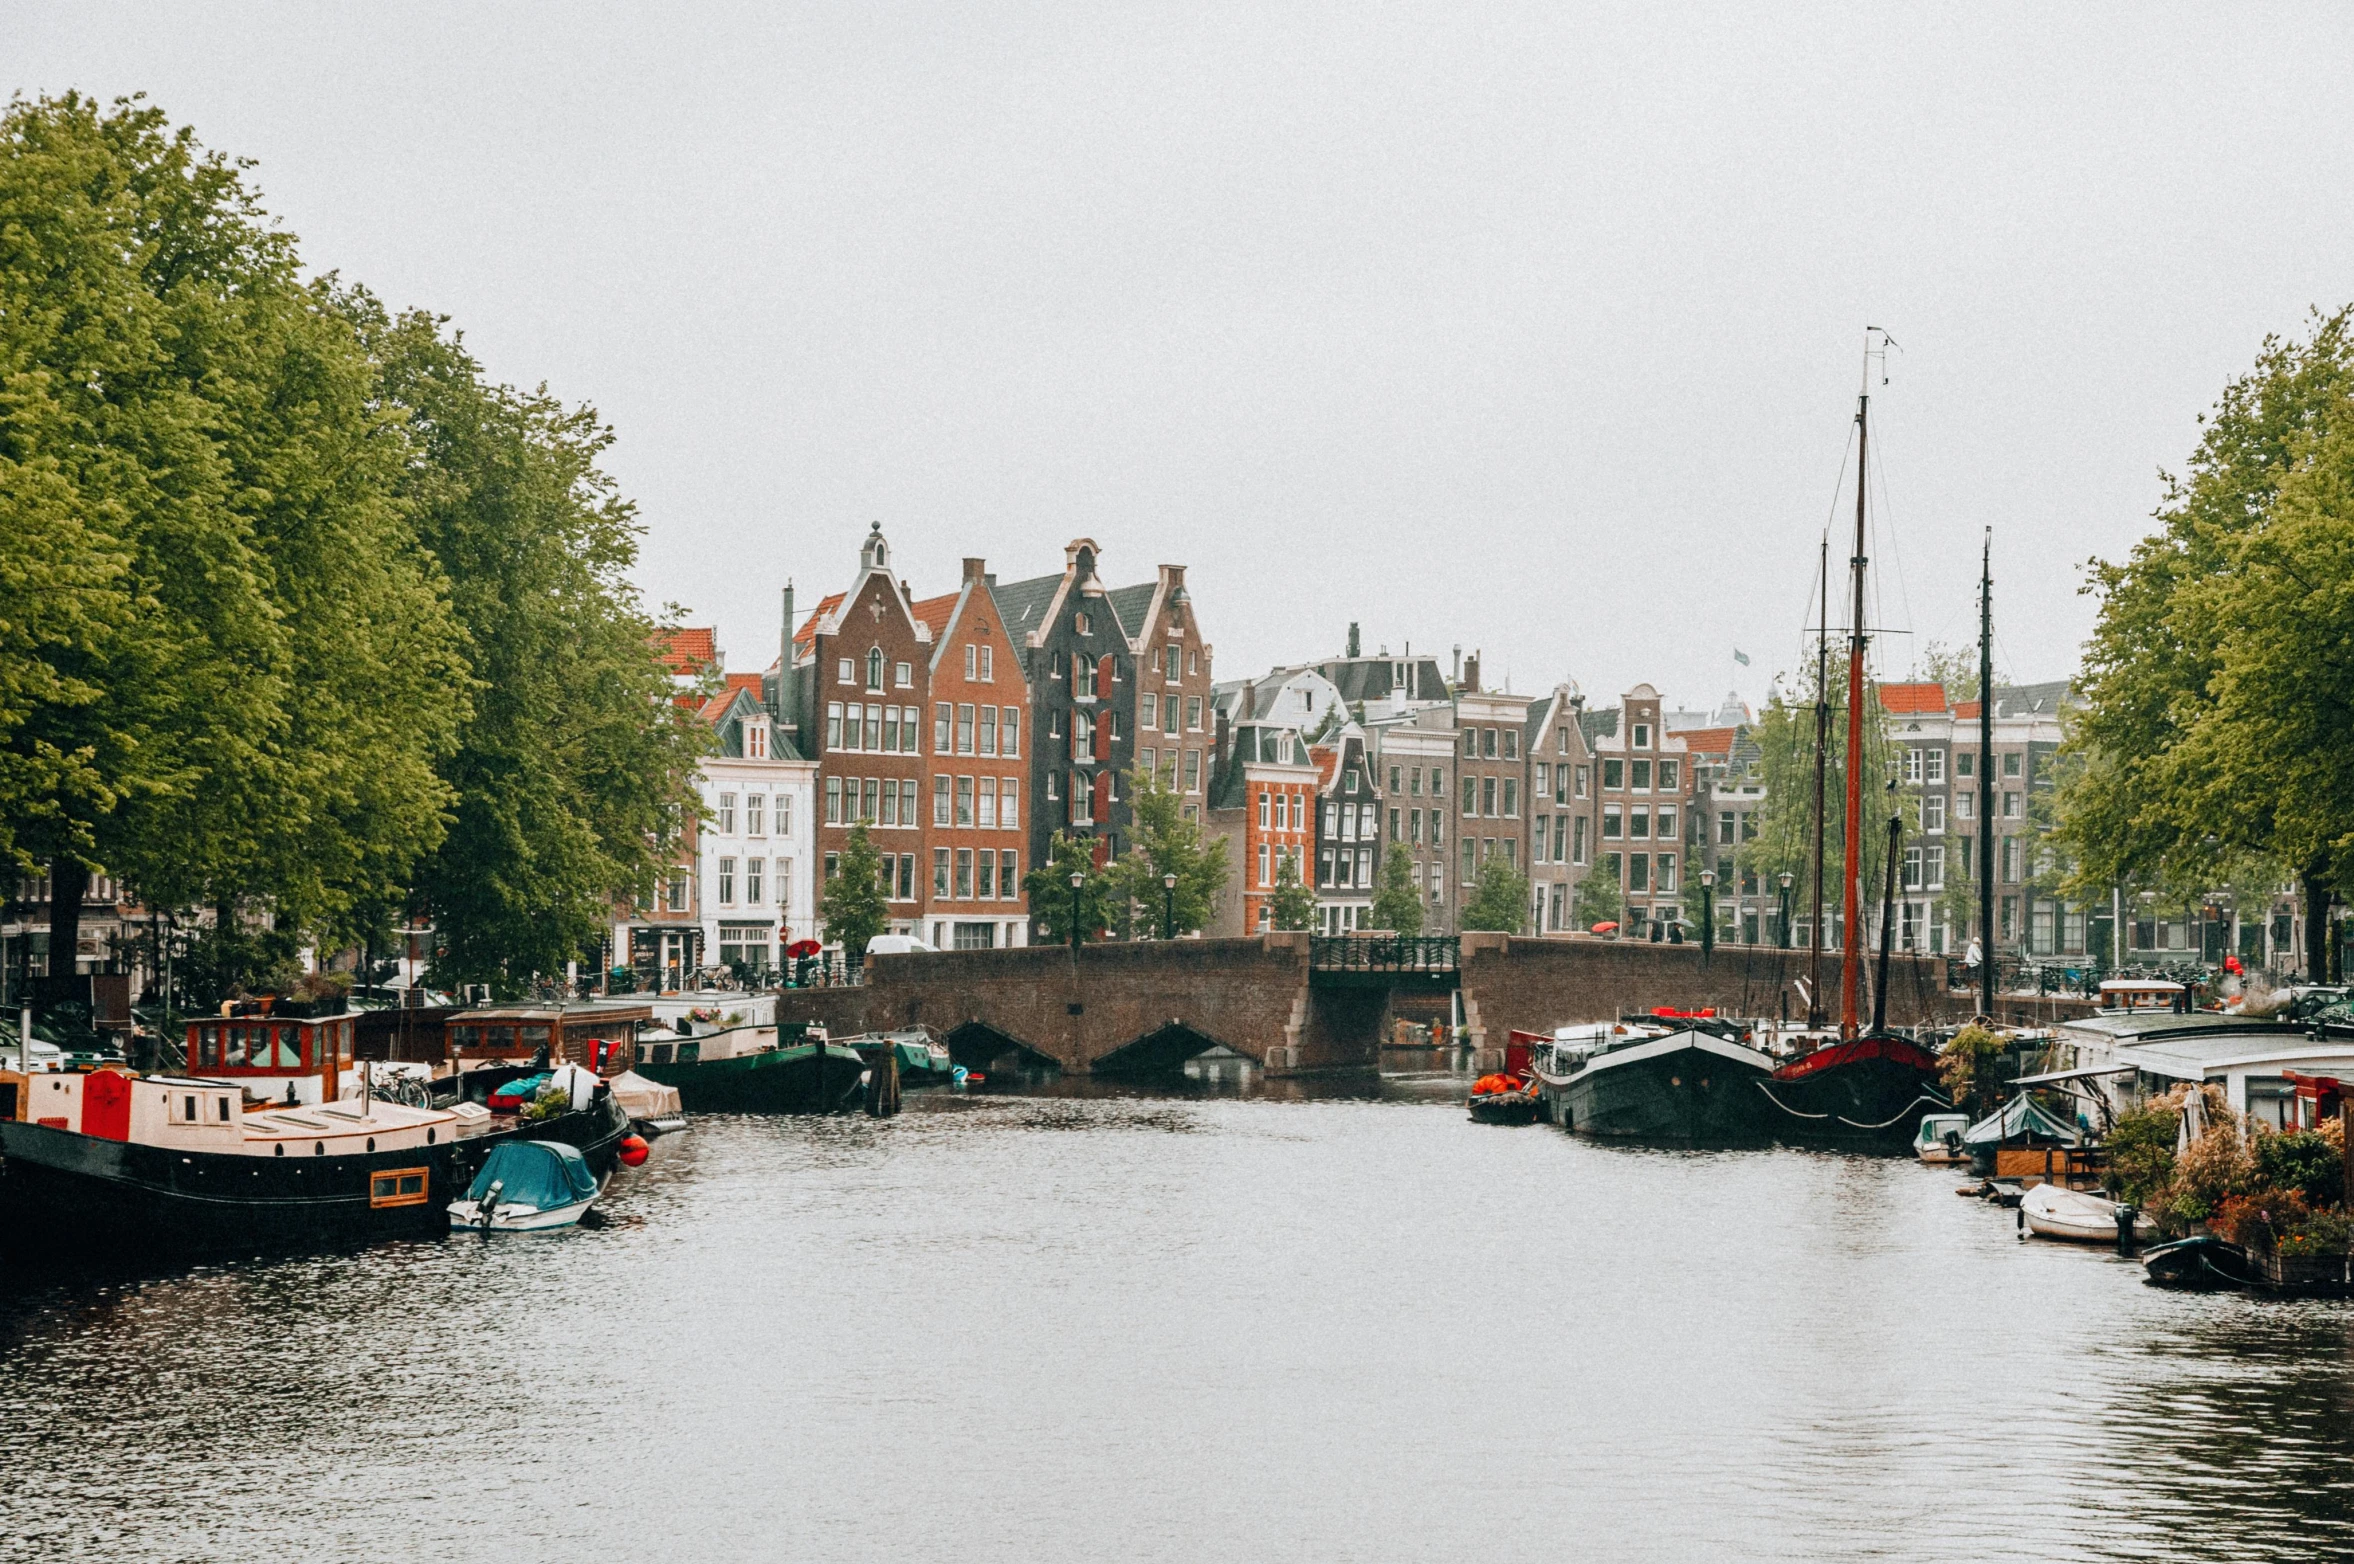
x=1939, y=1139
x=2052, y=1212
x=527, y=1186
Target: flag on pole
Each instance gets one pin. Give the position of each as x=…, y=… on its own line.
x=1740, y=657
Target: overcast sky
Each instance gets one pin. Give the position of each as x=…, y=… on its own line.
x=1529, y=329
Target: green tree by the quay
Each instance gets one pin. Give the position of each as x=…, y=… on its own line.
x=854, y=909
x=1292, y=905
x=233, y=672
x=1163, y=842
x=1101, y=896
x=1498, y=901
x=2211, y=699
x=573, y=768
x=1599, y=899
x=1397, y=900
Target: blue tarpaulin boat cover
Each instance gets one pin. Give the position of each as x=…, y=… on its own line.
x=2020, y=1119
x=541, y=1174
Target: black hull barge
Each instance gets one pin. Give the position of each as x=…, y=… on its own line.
x=1686, y=1086
x=1869, y=1092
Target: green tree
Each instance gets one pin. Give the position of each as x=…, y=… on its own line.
x=240, y=671
x=1954, y=667
x=853, y=909
x=573, y=769
x=1397, y=901
x=2193, y=623
x=1599, y=898
x=1164, y=842
x=1784, y=843
x=1499, y=901
x=1292, y=905
x=1101, y=896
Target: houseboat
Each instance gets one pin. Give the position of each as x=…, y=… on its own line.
x=1690, y=1084
x=108, y=1161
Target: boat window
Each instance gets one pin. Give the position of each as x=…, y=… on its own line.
x=399, y=1187
x=289, y=1048
x=224, y=1106
x=318, y=1148
x=533, y=1036
x=465, y=1036
x=188, y=1105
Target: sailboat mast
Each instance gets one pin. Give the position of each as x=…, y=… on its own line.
x=1986, y=978
x=1814, y=946
x=1850, y=968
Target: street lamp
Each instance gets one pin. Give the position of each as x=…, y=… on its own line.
x=1077, y=880
x=1785, y=909
x=1168, y=906
x=1707, y=915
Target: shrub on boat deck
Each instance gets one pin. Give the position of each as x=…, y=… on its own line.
x=2310, y=1162
x=2215, y=1167
x=552, y=1102
x=1971, y=1068
x=2283, y=1221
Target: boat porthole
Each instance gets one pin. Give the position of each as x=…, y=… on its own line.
x=371, y=1143
x=429, y=1137
x=277, y=1151
x=318, y=1148
x=1675, y=1080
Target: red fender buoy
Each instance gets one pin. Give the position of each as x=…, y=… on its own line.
x=633, y=1151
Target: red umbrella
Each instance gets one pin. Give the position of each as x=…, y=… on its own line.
x=1606, y=928
x=802, y=947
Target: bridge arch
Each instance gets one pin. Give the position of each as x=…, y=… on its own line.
x=979, y=1046
x=1164, y=1051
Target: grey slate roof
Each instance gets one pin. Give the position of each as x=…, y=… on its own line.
x=2023, y=700
x=1130, y=604
x=1022, y=604
x=1362, y=680
x=1601, y=724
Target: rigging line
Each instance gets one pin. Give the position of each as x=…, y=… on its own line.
x=1888, y=537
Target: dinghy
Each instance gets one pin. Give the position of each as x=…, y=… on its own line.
x=527, y=1186
x=2052, y=1212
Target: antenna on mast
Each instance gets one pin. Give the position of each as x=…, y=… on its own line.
x=1877, y=350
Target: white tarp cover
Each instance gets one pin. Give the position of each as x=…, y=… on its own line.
x=644, y=1099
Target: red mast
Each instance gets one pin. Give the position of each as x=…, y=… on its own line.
x=1850, y=968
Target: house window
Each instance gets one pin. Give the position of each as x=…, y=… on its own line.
x=940, y=872
x=939, y=800
x=833, y=724
x=903, y=675
x=1512, y=798
x=1265, y=803
x=1965, y=763
x=1470, y=797
x=2011, y=764
x=869, y=795
x=874, y=727
x=964, y=730
x=755, y=874
x=833, y=800
x=1577, y=840
x=1082, y=676
x=907, y=796
x=1640, y=771
x=1933, y=767
x=1612, y=866
x=1470, y=744
x=833, y=866
x=964, y=874
x=972, y=661
x=1193, y=714
x=1193, y=770
x=846, y=673
x=1487, y=743
x=1613, y=822
x=1912, y=766
x=964, y=800
x=1965, y=806
x=988, y=735
x=755, y=814
x=1470, y=857
x=1638, y=871
x=1667, y=873
x=1009, y=809
x=1749, y=825
x=988, y=665
x=756, y=740
x=942, y=713
x=1009, y=734
x=1724, y=827
x=1079, y=624
x=2010, y=860
x=1324, y=867
x=1332, y=819
x=986, y=818
x=1150, y=704
x=985, y=883
x=676, y=896
x=1667, y=824
x=1912, y=865
x=1511, y=743
x=1933, y=811
x=727, y=814
x=1639, y=824
x=890, y=810
x=874, y=668
x=1544, y=780
x=1264, y=877
x=1614, y=776
x=2010, y=806
x=1487, y=796
x=1667, y=776
x=1642, y=735
x=1933, y=867
x=1009, y=878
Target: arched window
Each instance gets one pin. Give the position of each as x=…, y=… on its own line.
x=874, y=668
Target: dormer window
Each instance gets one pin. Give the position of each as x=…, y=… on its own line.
x=1079, y=624
x=1642, y=735
x=874, y=668
x=903, y=675
x=756, y=740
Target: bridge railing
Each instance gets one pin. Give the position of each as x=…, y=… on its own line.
x=1384, y=953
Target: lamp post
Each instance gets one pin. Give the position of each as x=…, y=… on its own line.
x=1168, y=906
x=1785, y=909
x=1707, y=915
x=1077, y=881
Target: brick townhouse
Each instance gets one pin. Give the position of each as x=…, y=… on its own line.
x=978, y=792
x=1560, y=807
x=1491, y=778
x=1643, y=781
x=1262, y=801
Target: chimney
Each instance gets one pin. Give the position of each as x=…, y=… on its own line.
x=1353, y=638
x=781, y=708
x=1457, y=676
x=975, y=570
x=1471, y=674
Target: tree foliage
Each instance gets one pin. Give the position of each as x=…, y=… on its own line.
x=1163, y=843
x=1397, y=900
x=1102, y=898
x=1599, y=899
x=854, y=908
x=2212, y=689
x=1784, y=843
x=1498, y=901
x=1292, y=905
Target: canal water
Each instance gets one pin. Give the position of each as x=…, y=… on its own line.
x=1215, y=1322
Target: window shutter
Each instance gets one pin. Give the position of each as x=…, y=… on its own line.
x=1103, y=737
x=1103, y=796
x=1103, y=676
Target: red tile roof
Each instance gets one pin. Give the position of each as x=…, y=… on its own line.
x=716, y=707
x=688, y=649
x=1709, y=741
x=1326, y=759
x=934, y=611
x=807, y=635
x=1966, y=710
x=1906, y=700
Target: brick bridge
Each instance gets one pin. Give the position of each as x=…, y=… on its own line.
x=1148, y=1007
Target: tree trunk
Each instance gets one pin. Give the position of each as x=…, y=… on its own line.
x=2317, y=930
x=69, y=881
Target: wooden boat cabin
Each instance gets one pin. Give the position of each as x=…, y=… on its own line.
x=273, y=1056
x=2129, y=995
x=600, y=1037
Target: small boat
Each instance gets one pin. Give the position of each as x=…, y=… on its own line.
x=2202, y=1264
x=923, y=1058
x=653, y=1108
x=755, y=1070
x=527, y=1186
x=2050, y=1211
x=1939, y=1139
x=1502, y=1099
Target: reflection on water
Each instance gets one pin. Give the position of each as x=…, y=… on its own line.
x=1217, y=1319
